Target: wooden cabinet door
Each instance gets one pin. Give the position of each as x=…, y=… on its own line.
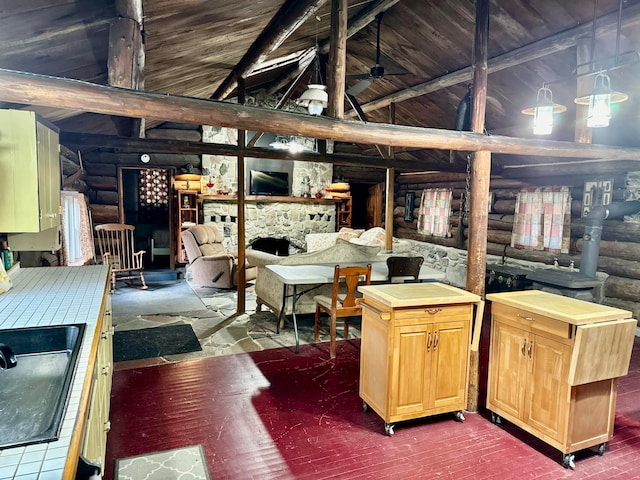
x=547, y=398
x=411, y=369
x=507, y=369
x=449, y=354
x=48, y=148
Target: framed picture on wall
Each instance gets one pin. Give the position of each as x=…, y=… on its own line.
x=409, y=200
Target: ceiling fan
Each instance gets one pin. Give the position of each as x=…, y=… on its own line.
x=376, y=71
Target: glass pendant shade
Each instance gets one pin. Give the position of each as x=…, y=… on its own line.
x=600, y=100
x=315, y=98
x=599, y=111
x=543, y=112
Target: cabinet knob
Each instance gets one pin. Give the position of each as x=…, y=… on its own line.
x=433, y=311
x=528, y=319
x=529, y=350
x=107, y=425
x=435, y=340
x=524, y=346
x=429, y=341
x=106, y=369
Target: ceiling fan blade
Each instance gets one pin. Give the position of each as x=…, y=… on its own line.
x=356, y=106
x=359, y=87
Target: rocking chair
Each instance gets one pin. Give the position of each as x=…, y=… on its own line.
x=117, y=248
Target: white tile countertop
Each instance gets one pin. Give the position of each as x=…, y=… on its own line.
x=52, y=296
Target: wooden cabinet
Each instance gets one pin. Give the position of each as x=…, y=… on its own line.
x=98, y=425
x=553, y=367
x=30, y=173
x=415, y=346
x=187, y=216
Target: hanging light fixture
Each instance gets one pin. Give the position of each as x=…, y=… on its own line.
x=600, y=100
x=543, y=111
x=315, y=97
x=602, y=96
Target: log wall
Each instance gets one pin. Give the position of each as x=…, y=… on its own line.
x=102, y=169
x=619, y=249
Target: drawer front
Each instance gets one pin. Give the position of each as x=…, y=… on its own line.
x=532, y=322
x=432, y=313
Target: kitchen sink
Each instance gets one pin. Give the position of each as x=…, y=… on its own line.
x=34, y=393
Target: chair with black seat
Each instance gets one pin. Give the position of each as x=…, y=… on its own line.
x=401, y=268
x=341, y=304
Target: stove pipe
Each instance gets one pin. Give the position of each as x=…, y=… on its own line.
x=593, y=232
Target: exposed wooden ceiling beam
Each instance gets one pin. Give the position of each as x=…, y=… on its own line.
x=284, y=23
x=159, y=146
x=33, y=89
x=533, y=51
x=354, y=25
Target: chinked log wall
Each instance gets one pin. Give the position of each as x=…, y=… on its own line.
x=619, y=249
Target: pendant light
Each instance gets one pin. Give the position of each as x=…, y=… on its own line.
x=543, y=111
x=602, y=96
x=600, y=100
x=315, y=98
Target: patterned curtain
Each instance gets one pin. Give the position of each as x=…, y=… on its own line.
x=153, y=190
x=542, y=220
x=435, y=209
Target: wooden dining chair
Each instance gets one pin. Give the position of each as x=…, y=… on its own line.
x=404, y=267
x=342, y=305
x=118, y=250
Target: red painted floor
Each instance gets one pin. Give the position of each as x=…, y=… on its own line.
x=277, y=415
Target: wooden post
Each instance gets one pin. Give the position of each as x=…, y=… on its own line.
x=337, y=58
x=126, y=52
x=479, y=182
x=242, y=274
x=390, y=194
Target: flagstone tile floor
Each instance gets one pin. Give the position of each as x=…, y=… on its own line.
x=213, y=315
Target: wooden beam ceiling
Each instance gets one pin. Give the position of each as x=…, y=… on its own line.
x=32, y=89
x=527, y=53
x=284, y=23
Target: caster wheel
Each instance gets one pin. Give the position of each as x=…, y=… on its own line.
x=365, y=407
x=568, y=461
x=459, y=416
x=601, y=448
x=496, y=419
x=388, y=429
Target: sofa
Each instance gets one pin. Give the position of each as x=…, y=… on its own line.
x=372, y=236
x=269, y=289
x=209, y=262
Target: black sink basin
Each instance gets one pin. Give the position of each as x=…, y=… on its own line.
x=34, y=394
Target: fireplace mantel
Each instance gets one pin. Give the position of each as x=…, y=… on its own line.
x=265, y=199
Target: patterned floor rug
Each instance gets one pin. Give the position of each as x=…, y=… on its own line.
x=188, y=463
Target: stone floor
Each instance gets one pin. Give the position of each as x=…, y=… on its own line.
x=213, y=315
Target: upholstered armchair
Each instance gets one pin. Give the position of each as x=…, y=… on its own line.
x=210, y=264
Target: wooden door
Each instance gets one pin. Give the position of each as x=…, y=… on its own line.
x=374, y=205
x=547, y=398
x=507, y=368
x=449, y=364
x=411, y=369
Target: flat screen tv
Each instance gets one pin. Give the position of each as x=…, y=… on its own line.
x=268, y=183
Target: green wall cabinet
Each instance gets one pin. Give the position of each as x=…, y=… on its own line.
x=29, y=173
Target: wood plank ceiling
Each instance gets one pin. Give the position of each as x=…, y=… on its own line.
x=192, y=46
